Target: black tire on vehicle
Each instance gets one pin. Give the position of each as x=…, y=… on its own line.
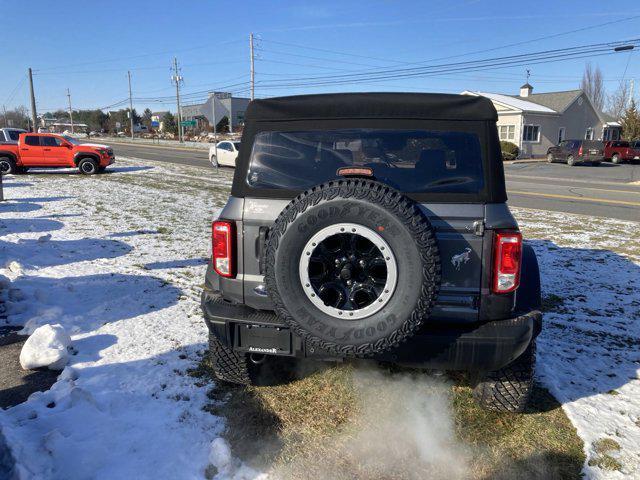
x=348, y=327
x=7, y=166
x=615, y=158
x=229, y=366
x=571, y=161
x=88, y=166
x=550, y=157
x=508, y=389
x=214, y=161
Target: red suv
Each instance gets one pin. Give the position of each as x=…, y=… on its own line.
x=46, y=150
x=619, y=151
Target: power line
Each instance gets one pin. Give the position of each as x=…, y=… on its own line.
x=324, y=59
x=510, y=60
x=15, y=89
x=333, y=51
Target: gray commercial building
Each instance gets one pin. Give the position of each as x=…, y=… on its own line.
x=234, y=107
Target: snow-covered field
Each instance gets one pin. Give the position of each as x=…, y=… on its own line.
x=118, y=261
x=589, y=349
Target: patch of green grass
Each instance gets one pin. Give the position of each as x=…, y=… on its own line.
x=308, y=426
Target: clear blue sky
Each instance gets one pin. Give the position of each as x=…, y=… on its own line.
x=89, y=46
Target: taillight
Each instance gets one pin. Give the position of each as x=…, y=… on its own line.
x=580, y=151
x=507, y=254
x=223, y=240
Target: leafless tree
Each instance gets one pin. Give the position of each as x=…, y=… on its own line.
x=617, y=101
x=592, y=84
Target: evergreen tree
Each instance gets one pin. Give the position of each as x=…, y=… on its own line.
x=169, y=123
x=146, y=118
x=631, y=122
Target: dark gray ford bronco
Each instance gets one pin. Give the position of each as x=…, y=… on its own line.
x=374, y=225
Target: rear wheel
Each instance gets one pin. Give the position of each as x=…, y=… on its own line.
x=7, y=166
x=214, y=161
x=508, y=389
x=228, y=366
x=242, y=369
x=571, y=161
x=615, y=158
x=88, y=166
x=550, y=157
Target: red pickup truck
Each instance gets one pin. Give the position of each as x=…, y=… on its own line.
x=619, y=151
x=47, y=150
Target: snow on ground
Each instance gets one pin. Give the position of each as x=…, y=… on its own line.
x=589, y=348
x=118, y=261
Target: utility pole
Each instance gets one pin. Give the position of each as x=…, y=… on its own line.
x=130, y=104
x=176, y=78
x=253, y=73
x=631, y=92
x=34, y=115
x=70, y=110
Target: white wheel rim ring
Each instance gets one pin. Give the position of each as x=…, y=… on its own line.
x=373, y=237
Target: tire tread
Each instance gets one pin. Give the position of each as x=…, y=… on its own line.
x=508, y=389
x=228, y=366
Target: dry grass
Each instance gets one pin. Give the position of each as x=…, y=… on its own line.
x=327, y=423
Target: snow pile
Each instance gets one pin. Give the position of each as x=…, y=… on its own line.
x=48, y=346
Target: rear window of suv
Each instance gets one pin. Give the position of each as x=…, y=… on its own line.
x=412, y=161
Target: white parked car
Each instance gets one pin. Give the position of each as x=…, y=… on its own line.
x=227, y=154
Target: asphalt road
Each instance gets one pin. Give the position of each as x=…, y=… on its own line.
x=611, y=191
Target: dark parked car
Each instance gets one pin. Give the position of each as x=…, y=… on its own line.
x=573, y=152
x=621, y=151
x=374, y=226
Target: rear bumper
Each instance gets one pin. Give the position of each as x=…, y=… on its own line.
x=481, y=347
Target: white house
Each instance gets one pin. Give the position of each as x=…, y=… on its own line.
x=537, y=121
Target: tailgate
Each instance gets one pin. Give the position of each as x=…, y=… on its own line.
x=460, y=252
x=460, y=257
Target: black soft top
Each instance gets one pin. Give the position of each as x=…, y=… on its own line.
x=427, y=111
x=428, y=106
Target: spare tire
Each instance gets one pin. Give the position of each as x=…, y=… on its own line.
x=352, y=267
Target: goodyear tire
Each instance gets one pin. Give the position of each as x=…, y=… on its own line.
x=7, y=166
x=88, y=166
x=352, y=267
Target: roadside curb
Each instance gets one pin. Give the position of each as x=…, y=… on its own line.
x=155, y=145
x=525, y=160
